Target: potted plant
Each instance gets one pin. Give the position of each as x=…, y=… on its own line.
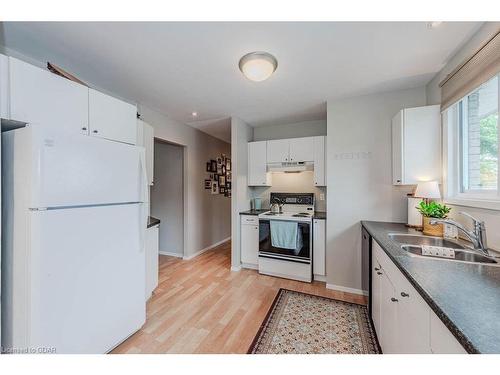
x=433, y=210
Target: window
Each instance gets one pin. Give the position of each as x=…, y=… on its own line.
x=472, y=150
x=479, y=135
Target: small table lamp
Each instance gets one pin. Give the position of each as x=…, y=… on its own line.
x=428, y=190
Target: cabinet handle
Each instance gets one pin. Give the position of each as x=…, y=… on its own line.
x=394, y=299
x=95, y=131
x=379, y=273
x=377, y=269
x=84, y=128
x=403, y=294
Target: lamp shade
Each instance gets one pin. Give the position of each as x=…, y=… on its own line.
x=429, y=189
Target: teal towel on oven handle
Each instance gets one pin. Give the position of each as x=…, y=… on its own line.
x=285, y=234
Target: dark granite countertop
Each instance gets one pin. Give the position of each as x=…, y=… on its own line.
x=152, y=221
x=317, y=214
x=465, y=296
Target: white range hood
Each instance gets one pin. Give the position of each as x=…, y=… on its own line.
x=290, y=167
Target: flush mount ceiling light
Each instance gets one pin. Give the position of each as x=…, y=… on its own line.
x=258, y=66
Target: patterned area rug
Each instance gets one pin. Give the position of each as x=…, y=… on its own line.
x=299, y=323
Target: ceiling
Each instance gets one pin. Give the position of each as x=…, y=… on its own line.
x=179, y=68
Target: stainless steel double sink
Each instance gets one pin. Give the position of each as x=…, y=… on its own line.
x=412, y=243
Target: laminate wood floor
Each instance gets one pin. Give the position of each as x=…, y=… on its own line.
x=200, y=306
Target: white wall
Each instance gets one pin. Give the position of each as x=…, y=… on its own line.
x=359, y=176
x=241, y=134
x=167, y=196
x=207, y=217
x=291, y=183
x=294, y=130
x=490, y=217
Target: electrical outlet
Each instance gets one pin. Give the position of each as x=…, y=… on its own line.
x=436, y=251
x=322, y=197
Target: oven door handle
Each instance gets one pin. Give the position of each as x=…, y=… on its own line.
x=288, y=259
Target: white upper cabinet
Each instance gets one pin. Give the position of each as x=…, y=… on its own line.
x=278, y=151
x=319, y=161
x=112, y=118
x=4, y=87
x=145, y=138
x=416, y=145
x=38, y=96
x=257, y=164
x=290, y=150
x=302, y=149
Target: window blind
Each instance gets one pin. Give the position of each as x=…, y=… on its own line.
x=479, y=68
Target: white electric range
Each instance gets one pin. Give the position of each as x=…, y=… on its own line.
x=280, y=259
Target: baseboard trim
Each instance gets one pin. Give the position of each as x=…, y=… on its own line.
x=206, y=249
x=320, y=278
x=250, y=266
x=168, y=253
x=340, y=288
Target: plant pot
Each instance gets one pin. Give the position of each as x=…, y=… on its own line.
x=432, y=230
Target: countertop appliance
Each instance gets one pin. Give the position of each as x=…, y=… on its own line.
x=281, y=261
x=73, y=242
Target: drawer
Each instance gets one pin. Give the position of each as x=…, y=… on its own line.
x=249, y=219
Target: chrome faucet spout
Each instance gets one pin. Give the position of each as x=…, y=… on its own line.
x=477, y=236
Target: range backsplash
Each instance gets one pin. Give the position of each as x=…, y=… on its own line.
x=291, y=183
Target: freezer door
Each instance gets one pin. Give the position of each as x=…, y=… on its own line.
x=87, y=278
x=76, y=170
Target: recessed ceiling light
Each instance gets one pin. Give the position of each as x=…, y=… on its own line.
x=258, y=66
x=194, y=114
x=434, y=24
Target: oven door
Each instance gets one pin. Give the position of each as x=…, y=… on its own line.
x=267, y=250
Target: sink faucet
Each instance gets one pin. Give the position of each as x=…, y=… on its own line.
x=476, y=236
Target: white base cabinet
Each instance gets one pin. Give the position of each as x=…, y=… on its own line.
x=152, y=254
x=403, y=321
x=319, y=248
x=249, y=241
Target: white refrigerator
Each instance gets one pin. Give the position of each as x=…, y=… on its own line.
x=73, y=264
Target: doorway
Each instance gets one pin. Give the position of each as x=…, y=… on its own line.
x=167, y=196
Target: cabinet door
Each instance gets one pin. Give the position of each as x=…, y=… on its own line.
x=413, y=319
x=388, y=335
x=319, y=253
x=397, y=149
x=4, y=87
x=376, y=294
x=442, y=341
x=302, y=149
x=148, y=143
x=257, y=164
x=422, y=126
x=152, y=254
x=250, y=244
x=278, y=151
x=38, y=96
x=319, y=161
x=112, y=118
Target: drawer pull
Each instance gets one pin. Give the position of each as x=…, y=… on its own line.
x=377, y=269
x=394, y=299
x=379, y=273
x=403, y=294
